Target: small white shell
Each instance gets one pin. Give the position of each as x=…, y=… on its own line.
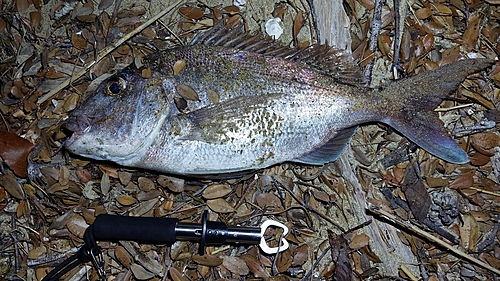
x=239, y=3
x=273, y=28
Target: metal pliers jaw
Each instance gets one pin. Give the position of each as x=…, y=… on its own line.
x=283, y=244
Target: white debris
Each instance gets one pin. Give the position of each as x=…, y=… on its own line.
x=273, y=28
x=239, y=3
x=472, y=55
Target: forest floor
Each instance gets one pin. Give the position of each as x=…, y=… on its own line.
x=419, y=203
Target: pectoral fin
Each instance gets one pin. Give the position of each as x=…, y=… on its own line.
x=330, y=151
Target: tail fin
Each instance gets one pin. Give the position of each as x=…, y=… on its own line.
x=413, y=116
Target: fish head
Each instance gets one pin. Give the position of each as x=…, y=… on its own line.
x=120, y=117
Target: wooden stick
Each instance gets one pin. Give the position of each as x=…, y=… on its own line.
x=106, y=51
x=432, y=238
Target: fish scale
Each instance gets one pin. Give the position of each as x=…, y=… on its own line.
x=298, y=105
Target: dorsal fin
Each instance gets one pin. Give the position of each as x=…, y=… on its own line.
x=336, y=63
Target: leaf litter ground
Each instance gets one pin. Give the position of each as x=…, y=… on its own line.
x=333, y=236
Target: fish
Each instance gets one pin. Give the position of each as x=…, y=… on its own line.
x=241, y=103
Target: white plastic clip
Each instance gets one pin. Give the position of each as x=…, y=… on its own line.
x=283, y=243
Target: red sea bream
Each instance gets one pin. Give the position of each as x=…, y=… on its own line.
x=241, y=104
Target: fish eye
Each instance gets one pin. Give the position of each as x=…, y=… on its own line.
x=116, y=86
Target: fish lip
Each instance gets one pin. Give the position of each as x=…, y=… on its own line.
x=78, y=124
x=71, y=140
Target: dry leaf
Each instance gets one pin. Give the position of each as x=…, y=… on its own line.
x=176, y=274
x=181, y=104
x=105, y=184
x=469, y=232
x=77, y=225
x=63, y=175
x=207, y=260
x=70, y=102
x=216, y=191
x=194, y=13
x=476, y=97
x=423, y=13
x=35, y=19
x=78, y=41
x=300, y=255
x=126, y=200
x=321, y=196
x=220, y=206
x=471, y=34
x=9, y=182
x=298, y=22
x=140, y=272
x=173, y=184
x=416, y=194
x=232, y=10
x=146, y=73
x=359, y=241
x=284, y=260
x=15, y=150
x=268, y=200
x=213, y=96
x=37, y=252
x=187, y=92
x=255, y=266
x=146, y=184
x=449, y=55
x=462, y=182
x=340, y=256
x=179, y=66
x=104, y=4
x=235, y=265
x=368, y=4
x=110, y=171
x=123, y=256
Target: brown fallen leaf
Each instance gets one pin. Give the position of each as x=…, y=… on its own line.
x=471, y=34
x=77, y=225
x=12, y=186
x=216, y=191
x=220, y=205
x=417, y=196
x=187, y=92
x=173, y=184
x=179, y=66
x=340, y=256
x=298, y=22
x=300, y=255
x=194, y=13
x=235, y=265
x=207, y=260
x=78, y=41
x=15, y=150
x=359, y=241
x=255, y=266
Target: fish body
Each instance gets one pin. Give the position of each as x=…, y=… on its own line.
x=232, y=109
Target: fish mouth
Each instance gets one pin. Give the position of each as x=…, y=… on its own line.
x=76, y=126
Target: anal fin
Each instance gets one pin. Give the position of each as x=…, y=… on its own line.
x=330, y=151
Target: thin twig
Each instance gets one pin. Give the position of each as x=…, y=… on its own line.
x=431, y=238
x=309, y=208
x=375, y=29
x=106, y=51
x=443, y=109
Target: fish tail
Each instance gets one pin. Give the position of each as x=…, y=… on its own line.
x=413, y=100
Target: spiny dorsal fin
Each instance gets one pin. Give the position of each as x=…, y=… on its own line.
x=337, y=63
